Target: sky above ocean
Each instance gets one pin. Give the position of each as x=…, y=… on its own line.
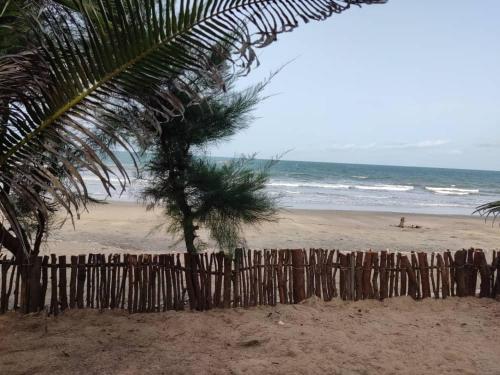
x=410, y=82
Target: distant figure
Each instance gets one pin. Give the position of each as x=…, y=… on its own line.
x=402, y=223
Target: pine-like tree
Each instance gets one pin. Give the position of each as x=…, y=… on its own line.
x=194, y=190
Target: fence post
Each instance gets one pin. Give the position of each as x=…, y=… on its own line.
x=299, y=289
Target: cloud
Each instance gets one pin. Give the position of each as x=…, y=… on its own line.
x=489, y=145
x=389, y=146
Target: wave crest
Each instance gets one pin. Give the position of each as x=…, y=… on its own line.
x=451, y=190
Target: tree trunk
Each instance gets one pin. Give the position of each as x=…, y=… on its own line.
x=10, y=242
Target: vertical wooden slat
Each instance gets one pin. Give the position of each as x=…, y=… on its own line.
x=383, y=275
x=35, y=288
x=112, y=265
x=88, y=294
x=435, y=290
x=13, y=275
x=54, y=303
x=416, y=270
x=124, y=275
x=3, y=294
x=460, y=273
x=445, y=275
x=130, y=294
x=63, y=294
x=484, y=271
x=17, y=288
x=299, y=291
x=72, y=282
x=392, y=274
x=375, y=265
x=470, y=274
x=80, y=281
x=424, y=274
x=397, y=273
x=45, y=280
x=367, y=268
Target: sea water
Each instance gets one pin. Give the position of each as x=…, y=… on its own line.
x=315, y=185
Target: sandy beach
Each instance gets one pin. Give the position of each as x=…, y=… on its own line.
x=398, y=336
x=128, y=227
x=394, y=336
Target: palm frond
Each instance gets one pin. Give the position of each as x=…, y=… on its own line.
x=94, y=60
x=488, y=210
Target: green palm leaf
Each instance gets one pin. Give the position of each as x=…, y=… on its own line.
x=487, y=210
x=94, y=60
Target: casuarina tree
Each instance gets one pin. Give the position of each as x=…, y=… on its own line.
x=196, y=191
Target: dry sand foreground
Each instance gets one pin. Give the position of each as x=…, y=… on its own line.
x=125, y=227
x=398, y=336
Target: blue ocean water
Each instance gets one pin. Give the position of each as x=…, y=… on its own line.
x=315, y=185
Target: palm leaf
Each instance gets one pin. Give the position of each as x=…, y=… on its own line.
x=487, y=210
x=96, y=59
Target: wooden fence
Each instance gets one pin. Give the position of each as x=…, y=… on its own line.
x=149, y=283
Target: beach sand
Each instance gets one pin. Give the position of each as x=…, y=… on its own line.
x=126, y=227
x=397, y=336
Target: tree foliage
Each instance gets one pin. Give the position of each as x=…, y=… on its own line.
x=94, y=58
x=196, y=191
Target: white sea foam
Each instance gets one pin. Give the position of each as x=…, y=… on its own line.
x=360, y=177
x=443, y=205
x=307, y=184
x=385, y=187
x=451, y=190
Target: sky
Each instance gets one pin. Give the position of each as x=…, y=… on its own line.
x=411, y=82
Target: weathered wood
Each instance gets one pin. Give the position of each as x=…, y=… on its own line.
x=3, y=294
x=375, y=265
x=35, y=287
x=460, y=273
x=367, y=269
x=470, y=274
x=80, y=281
x=299, y=289
x=435, y=290
x=72, y=282
x=17, y=288
x=383, y=275
x=359, y=275
x=397, y=275
x=424, y=274
x=416, y=269
x=392, y=273
x=112, y=266
x=13, y=274
x=281, y=287
x=412, y=279
x=450, y=265
x=403, y=276
x=484, y=271
x=329, y=274
x=45, y=281
x=88, y=299
x=54, y=303
x=227, y=281
x=63, y=294
x=343, y=276
x=130, y=296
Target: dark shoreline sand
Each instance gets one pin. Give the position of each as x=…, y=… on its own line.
x=126, y=227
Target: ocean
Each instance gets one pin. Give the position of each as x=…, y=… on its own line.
x=336, y=186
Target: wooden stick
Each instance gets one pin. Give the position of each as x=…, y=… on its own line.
x=54, y=305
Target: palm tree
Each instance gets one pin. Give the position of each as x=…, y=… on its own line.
x=94, y=61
